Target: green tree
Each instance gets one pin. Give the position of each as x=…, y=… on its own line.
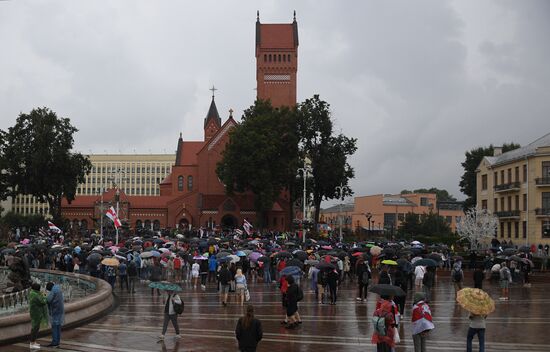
x=430, y=224
x=37, y=159
x=410, y=226
x=327, y=152
x=468, y=181
x=442, y=194
x=261, y=156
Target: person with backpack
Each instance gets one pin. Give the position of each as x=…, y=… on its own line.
x=294, y=294
x=384, y=276
x=333, y=278
x=505, y=280
x=364, y=276
x=224, y=276
x=421, y=322
x=68, y=262
x=383, y=322
x=172, y=308
x=457, y=275
x=428, y=283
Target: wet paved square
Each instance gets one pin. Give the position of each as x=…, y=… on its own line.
x=520, y=324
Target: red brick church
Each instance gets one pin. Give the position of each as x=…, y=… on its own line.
x=192, y=195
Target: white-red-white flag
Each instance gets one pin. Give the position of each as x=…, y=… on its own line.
x=111, y=214
x=247, y=226
x=53, y=228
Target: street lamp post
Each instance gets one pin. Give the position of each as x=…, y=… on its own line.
x=304, y=170
x=340, y=190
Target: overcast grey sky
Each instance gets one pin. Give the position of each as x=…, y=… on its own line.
x=417, y=82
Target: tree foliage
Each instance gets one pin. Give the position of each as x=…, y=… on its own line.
x=468, y=181
x=477, y=225
x=442, y=194
x=262, y=155
x=430, y=224
x=327, y=151
x=37, y=159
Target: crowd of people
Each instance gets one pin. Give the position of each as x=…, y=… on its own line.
x=230, y=263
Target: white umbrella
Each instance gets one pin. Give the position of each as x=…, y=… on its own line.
x=415, y=242
x=234, y=258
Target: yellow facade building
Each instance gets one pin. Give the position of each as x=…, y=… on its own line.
x=515, y=186
x=136, y=175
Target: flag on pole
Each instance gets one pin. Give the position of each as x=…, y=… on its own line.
x=42, y=231
x=247, y=226
x=53, y=228
x=111, y=214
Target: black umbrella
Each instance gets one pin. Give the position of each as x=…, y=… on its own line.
x=525, y=249
x=435, y=257
x=325, y=266
x=387, y=290
x=301, y=255
x=7, y=251
x=94, y=258
x=426, y=262
x=212, y=241
x=509, y=251
x=264, y=259
x=282, y=254
x=295, y=262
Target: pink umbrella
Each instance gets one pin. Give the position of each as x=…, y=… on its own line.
x=113, y=249
x=328, y=248
x=254, y=256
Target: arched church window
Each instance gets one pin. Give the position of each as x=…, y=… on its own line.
x=284, y=58
x=180, y=183
x=265, y=57
x=189, y=183
x=279, y=58
x=269, y=57
x=288, y=57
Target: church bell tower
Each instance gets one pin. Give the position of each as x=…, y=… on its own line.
x=277, y=62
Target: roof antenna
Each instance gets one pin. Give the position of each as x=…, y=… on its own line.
x=294, y=15
x=257, y=15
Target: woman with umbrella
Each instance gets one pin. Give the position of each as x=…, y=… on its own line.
x=170, y=312
x=479, y=304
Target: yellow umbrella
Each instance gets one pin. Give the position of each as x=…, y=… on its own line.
x=110, y=262
x=389, y=262
x=475, y=301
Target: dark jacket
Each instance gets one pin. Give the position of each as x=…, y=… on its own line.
x=292, y=295
x=478, y=278
x=224, y=276
x=384, y=278
x=332, y=278
x=429, y=278
x=248, y=338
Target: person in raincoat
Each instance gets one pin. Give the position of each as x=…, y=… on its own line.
x=39, y=313
x=56, y=309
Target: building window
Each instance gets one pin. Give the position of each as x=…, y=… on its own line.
x=495, y=178
x=517, y=203
x=517, y=174
x=275, y=219
x=501, y=230
x=284, y=58
x=401, y=217
x=509, y=230
x=389, y=219
x=265, y=57
x=525, y=173
x=516, y=229
x=546, y=229
x=424, y=201
x=189, y=183
x=509, y=203
x=502, y=204
x=510, y=175
x=524, y=229
x=449, y=219
x=546, y=201
x=288, y=57
x=180, y=183
x=502, y=176
x=483, y=182
x=269, y=57
x=484, y=204
x=458, y=219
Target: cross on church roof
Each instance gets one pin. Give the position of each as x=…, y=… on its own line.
x=213, y=89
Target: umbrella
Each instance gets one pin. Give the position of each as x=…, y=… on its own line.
x=199, y=257
x=301, y=255
x=113, y=249
x=415, y=243
x=211, y=241
x=325, y=266
x=158, y=241
x=282, y=254
x=311, y=262
x=234, y=258
x=222, y=254
x=375, y=250
x=328, y=248
x=94, y=258
x=224, y=260
x=119, y=257
x=254, y=256
x=387, y=290
x=475, y=301
x=110, y=262
x=295, y=262
x=425, y=262
x=435, y=257
x=525, y=249
x=528, y=261
x=240, y=254
x=389, y=262
x=288, y=244
x=146, y=255
x=179, y=235
x=264, y=259
x=7, y=251
x=357, y=254
x=155, y=254
x=167, y=286
x=516, y=258
x=509, y=251
x=77, y=249
x=164, y=250
x=291, y=270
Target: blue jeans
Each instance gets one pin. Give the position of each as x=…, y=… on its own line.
x=267, y=276
x=56, y=334
x=480, y=335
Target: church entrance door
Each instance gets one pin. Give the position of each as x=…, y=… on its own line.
x=229, y=222
x=184, y=224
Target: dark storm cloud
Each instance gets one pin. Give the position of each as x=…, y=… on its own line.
x=417, y=82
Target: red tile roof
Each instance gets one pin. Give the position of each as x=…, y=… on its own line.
x=189, y=152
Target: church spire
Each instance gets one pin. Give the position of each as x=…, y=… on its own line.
x=212, y=121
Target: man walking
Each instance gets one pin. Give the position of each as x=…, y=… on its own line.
x=56, y=310
x=224, y=276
